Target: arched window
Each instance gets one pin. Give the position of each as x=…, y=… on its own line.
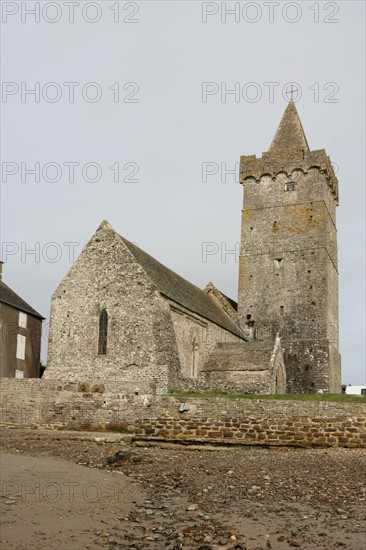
x=103, y=333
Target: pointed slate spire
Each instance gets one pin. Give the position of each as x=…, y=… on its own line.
x=104, y=225
x=290, y=132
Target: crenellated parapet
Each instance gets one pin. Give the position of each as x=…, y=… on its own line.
x=289, y=161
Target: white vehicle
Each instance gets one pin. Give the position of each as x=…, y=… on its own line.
x=356, y=390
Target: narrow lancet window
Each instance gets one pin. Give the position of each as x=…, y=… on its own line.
x=194, y=358
x=103, y=333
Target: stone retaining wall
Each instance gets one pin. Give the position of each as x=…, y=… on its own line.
x=36, y=402
x=299, y=431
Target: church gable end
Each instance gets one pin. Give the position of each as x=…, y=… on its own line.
x=107, y=319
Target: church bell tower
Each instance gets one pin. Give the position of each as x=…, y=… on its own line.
x=288, y=276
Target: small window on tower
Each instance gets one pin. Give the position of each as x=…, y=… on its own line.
x=290, y=186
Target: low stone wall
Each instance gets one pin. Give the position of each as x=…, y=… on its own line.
x=299, y=431
x=241, y=421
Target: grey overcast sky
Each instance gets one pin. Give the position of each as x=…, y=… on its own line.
x=121, y=85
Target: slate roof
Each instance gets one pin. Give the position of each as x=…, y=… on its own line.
x=181, y=291
x=9, y=297
x=232, y=302
x=210, y=287
x=233, y=356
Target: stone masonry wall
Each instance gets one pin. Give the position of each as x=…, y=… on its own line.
x=288, y=278
x=240, y=421
x=307, y=365
x=141, y=340
x=250, y=368
x=196, y=338
x=152, y=341
x=254, y=382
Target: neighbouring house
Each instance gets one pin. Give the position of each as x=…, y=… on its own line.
x=20, y=333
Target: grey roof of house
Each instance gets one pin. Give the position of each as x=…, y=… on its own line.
x=9, y=297
x=181, y=291
x=234, y=356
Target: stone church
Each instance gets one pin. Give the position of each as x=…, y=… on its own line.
x=122, y=318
